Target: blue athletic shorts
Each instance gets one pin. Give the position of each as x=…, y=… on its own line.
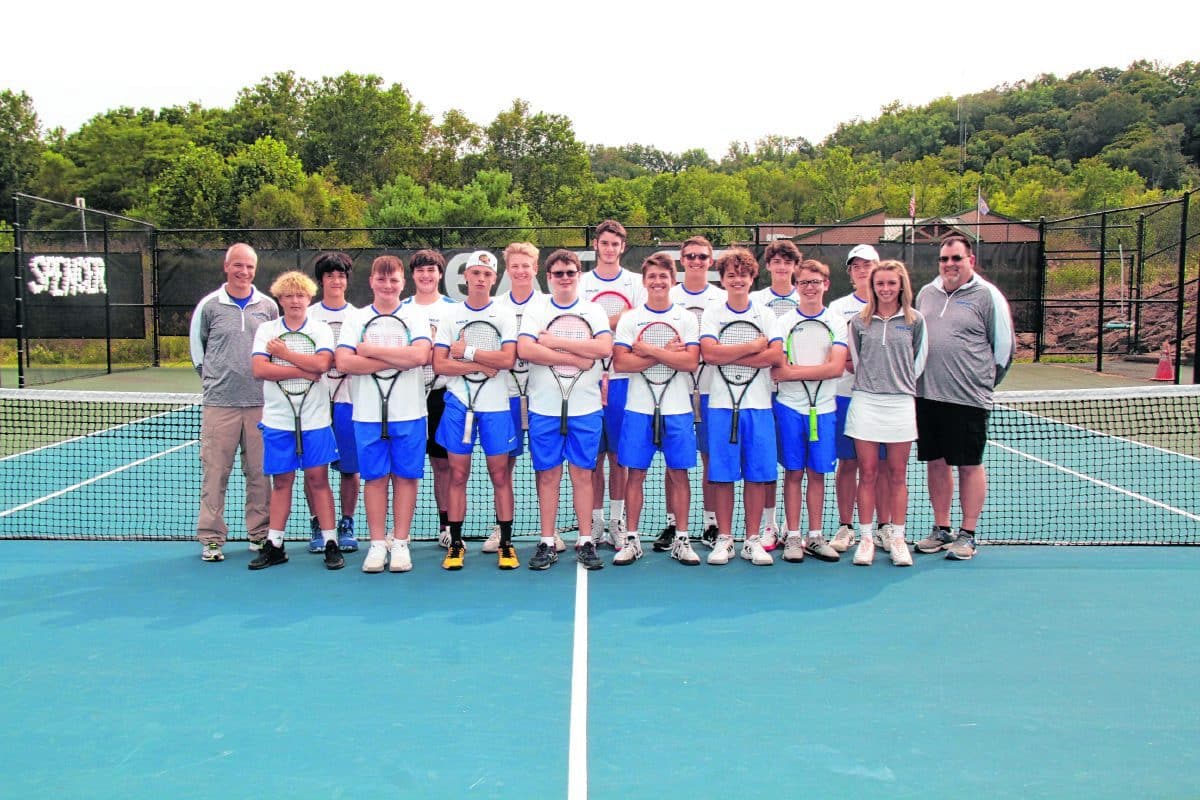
x=796, y=451
x=753, y=457
x=402, y=455
x=637, y=448
x=343, y=431
x=580, y=447
x=845, y=445
x=279, y=449
x=614, y=413
x=702, y=425
x=514, y=410
x=492, y=430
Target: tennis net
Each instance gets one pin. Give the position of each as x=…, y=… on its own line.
x=1064, y=467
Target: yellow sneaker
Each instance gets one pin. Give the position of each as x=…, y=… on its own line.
x=455, y=556
x=508, y=557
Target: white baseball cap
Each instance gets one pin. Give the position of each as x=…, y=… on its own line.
x=481, y=258
x=863, y=251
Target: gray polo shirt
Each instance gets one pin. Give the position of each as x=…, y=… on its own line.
x=222, y=338
x=888, y=354
x=971, y=342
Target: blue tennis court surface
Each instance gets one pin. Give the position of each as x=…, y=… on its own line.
x=133, y=670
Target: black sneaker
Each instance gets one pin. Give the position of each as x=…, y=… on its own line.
x=665, y=540
x=333, y=555
x=269, y=556
x=543, y=557
x=709, y=537
x=585, y=554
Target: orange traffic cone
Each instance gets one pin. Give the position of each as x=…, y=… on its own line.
x=1166, y=369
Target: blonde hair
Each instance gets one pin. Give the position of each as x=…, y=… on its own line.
x=906, y=293
x=521, y=249
x=812, y=265
x=294, y=281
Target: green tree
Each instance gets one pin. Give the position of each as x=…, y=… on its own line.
x=20, y=147
x=455, y=151
x=367, y=134
x=272, y=107
x=265, y=162
x=191, y=193
x=313, y=202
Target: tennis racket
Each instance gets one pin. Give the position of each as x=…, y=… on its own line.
x=482, y=336
x=520, y=375
x=296, y=389
x=737, y=377
x=808, y=345
x=427, y=374
x=388, y=331
x=613, y=304
x=699, y=312
x=336, y=376
x=658, y=376
x=568, y=326
x=782, y=305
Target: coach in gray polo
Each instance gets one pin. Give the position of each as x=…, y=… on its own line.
x=971, y=344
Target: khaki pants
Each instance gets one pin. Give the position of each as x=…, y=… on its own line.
x=222, y=431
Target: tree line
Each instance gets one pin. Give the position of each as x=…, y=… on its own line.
x=352, y=152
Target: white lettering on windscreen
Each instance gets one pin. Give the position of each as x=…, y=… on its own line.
x=63, y=276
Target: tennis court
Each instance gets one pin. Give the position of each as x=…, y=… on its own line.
x=134, y=670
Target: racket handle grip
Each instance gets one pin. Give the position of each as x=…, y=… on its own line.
x=812, y=425
x=733, y=429
x=562, y=420
x=696, y=406
x=524, y=412
x=468, y=422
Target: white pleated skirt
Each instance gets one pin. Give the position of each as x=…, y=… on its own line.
x=881, y=417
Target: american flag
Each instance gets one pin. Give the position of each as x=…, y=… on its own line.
x=982, y=205
x=912, y=204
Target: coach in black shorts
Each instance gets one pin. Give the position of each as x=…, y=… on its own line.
x=971, y=345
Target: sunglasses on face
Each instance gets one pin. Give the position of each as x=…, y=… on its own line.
x=563, y=273
x=695, y=256
x=955, y=259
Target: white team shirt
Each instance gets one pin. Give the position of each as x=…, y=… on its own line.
x=407, y=400
x=545, y=396
x=677, y=396
x=768, y=294
x=847, y=308
x=627, y=284
x=339, y=388
x=435, y=312
x=716, y=317
x=518, y=310
x=701, y=299
x=493, y=393
x=791, y=393
x=277, y=410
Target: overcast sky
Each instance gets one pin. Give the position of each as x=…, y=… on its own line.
x=672, y=75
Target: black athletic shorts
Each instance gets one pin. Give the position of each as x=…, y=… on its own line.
x=436, y=404
x=951, y=431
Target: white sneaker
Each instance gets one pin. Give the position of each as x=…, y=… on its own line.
x=843, y=540
x=618, y=531
x=559, y=545
x=752, y=551
x=883, y=536
x=793, y=548
x=401, y=560
x=681, y=551
x=865, y=553
x=722, y=551
x=492, y=543
x=629, y=553
x=901, y=557
x=443, y=539
x=377, y=556
x=602, y=536
x=769, y=538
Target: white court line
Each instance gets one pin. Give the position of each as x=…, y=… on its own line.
x=88, y=435
x=94, y=478
x=1150, y=500
x=577, y=779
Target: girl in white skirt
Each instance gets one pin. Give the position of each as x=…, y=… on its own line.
x=887, y=347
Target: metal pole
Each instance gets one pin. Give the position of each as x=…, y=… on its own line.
x=18, y=291
x=1040, y=300
x=1183, y=243
x=107, y=308
x=1100, y=305
x=1135, y=290
x=154, y=311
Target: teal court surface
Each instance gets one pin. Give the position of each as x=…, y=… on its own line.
x=134, y=670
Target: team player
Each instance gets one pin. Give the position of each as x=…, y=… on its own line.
x=888, y=345
x=427, y=268
x=752, y=458
x=859, y=262
x=609, y=276
x=492, y=424
x=294, y=291
x=695, y=293
x=585, y=416
x=520, y=267
x=396, y=462
x=801, y=390
x=332, y=271
x=782, y=258
x=632, y=354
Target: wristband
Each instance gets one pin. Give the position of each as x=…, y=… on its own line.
x=468, y=353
